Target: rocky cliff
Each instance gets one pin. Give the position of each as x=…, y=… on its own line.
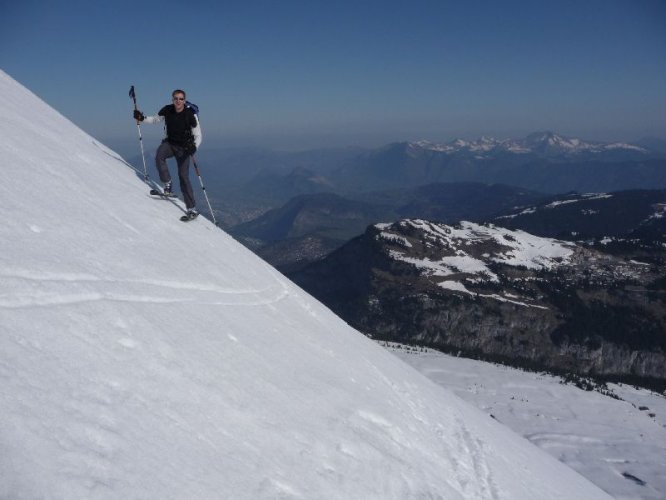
x=501, y=294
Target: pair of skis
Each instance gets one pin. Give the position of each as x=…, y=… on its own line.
x=185, y=218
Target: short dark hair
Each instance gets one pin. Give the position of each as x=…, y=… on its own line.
x=178, y=91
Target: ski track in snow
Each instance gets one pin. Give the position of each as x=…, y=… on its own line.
x=481, y=480
x=53, y=289
x=473, y=473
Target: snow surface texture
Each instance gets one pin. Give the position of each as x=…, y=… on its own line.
x=620, y=445
x=141, y=357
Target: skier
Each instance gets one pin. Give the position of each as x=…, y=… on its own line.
x=183, y=137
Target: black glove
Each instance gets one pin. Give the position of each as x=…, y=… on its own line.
x=190, y=148
x=138, y=115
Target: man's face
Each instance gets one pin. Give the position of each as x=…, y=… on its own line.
x=179, y=102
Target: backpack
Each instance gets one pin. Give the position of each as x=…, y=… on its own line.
x=190, y=148
x=193, y=107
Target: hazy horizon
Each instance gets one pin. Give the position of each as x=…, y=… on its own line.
x=308, y=74
x=129, y=146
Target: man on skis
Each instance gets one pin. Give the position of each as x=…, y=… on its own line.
x=183, y=137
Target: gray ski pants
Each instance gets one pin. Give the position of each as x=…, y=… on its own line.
x=167, y=150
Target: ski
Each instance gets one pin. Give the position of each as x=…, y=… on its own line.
x=188, y=217
x=156, y=192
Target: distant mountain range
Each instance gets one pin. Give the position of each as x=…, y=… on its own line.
x=546, y=144
x=544, y=162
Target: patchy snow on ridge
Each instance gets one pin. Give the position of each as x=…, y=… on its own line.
x=141, y=357
x=455, y=257
x=584, y=197
x=659, y=211
x=559, y=203
x=514, y=248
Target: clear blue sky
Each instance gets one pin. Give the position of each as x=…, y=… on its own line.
x=300, y=74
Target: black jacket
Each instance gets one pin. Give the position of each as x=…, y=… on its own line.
x=178, y=125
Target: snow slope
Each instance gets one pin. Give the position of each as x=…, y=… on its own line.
x=141, y=357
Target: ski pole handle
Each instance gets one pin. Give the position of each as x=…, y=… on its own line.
x=132, y=94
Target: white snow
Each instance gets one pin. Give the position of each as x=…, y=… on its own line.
x=606, y=440
x=467, y=264
x=597, y=196
x=518, y=248
x=624, y=145
x=561, y=202
x=584, y=197
x=507, y=298
x=395, y=239
x=659, y=211
x=554, y=204
x=455, y=286
x=141, y=357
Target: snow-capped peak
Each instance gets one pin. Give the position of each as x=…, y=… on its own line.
x=539, y=143
x=552, y=143
x=482, y=144
x=459, y=143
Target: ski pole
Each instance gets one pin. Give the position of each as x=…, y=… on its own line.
x=196, y=169
x=138, y=126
